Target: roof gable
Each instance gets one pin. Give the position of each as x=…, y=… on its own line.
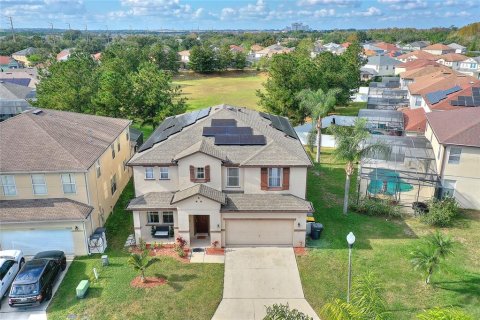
x=200, y=189
x=465, y=132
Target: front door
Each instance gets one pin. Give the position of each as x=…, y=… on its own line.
x=202, y=224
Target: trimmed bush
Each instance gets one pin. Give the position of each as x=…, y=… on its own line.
x=376, y=207
x=441, y=212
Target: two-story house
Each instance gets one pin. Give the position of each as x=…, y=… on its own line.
x=61, y=174
x=383, y=65
x=457, y=151
x=224, y=174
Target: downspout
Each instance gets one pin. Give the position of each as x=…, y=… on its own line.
x=88, y=197
x=85, y=236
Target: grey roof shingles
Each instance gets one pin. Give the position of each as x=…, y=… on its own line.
x=53, y=141
x=382, y=61
x=152, y=200
x=53, y=209
x=266, y=203
x=200, y=189
x=205, y=147
x=165, y=152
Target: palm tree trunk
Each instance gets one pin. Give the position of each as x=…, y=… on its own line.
x=427, y=281
x=349, y=171
x=319, y=139
x=142, y=276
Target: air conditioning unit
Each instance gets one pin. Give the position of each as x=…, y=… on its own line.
x=97, y=242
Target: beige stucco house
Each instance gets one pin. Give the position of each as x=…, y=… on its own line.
x=457, y=152
x=224, y=174
x=61, y=174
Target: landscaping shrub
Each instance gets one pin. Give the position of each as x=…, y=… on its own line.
x=441, y=212
x=376, y=207
x=283, y=312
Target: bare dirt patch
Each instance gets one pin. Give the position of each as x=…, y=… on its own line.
x=150, y=282
x=300, y=251
x=215, y=251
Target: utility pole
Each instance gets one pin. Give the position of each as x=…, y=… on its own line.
x=53, y=35
x=108, y=35
x=69, y=29
x=86, y=31
x=13, y=31
x=68, y=24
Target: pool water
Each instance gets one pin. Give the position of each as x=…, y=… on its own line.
x=388, y=182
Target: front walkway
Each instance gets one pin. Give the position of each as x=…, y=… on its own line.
x=258, y=277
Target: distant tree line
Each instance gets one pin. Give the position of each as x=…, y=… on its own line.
x=207, y=58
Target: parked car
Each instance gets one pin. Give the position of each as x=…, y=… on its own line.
x=11, y=261
x=34, y=283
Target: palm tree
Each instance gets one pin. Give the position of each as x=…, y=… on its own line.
x=351, y=147
x=319, y=104
x=444, y=313
x=140, y=262
x=427, y=258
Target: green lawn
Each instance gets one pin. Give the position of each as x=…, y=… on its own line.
x=193, y=291
x=383, y=247
x=351, y=109
x=235, y=88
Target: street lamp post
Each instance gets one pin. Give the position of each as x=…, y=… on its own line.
x=350, y=241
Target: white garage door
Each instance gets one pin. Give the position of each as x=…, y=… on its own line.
x=33, y=241
x=253, y=232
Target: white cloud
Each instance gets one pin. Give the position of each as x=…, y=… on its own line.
x=164, y=8
x=324, y=13
x=406, y=4
x=342, y=3
x=370, y=12
x=43, y=11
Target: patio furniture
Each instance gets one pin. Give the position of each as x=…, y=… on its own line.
x=160, y=231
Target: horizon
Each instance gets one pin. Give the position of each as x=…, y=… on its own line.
x=249, y=15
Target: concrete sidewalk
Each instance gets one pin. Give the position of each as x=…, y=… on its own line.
x=260, y=277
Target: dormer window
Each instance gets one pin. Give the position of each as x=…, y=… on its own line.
x=200, y=173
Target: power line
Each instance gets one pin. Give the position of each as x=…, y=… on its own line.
x=13, y=31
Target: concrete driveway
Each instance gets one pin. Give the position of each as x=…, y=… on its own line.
x=33, y=313
x=259, y=277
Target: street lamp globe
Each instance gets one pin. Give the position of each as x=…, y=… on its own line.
x=350, y=239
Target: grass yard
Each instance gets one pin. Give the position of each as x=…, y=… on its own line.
x=193, y=291
x=236, y=88
x=383, y=247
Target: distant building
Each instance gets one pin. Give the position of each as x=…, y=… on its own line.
x=64, y=54
x=383, y=65
x=458, y=48
x=22, y=55
x=272, y=50
x=184, y=56
x=297, y=26
x=438, y=49
x=10, y=108
x=7, y=63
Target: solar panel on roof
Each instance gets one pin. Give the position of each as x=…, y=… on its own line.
x=469, y=101
x=287, y=128
x=452, y=90
x=203, y=113
x=213, y=131
x=224, y=123
x=240, y=140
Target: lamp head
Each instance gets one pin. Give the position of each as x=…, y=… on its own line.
x=351, y=239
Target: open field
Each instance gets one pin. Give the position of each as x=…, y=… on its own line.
x=193, y=291
x=383, y=247
x=235, y=88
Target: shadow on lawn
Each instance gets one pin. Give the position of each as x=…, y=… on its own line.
x=469, y=287
x=175, y=281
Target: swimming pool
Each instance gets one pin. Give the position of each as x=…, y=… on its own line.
x=388, y=182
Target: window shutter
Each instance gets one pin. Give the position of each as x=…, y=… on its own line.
x=192, y=173
x=286, y=179
x=264, y=178
x=207, y=173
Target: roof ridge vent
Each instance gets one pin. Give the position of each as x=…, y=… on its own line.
x=37, y=111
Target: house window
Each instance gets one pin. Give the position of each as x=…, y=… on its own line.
x=113, y=183
x=113, y=151
x=153, y=217
x=168, y=217
x=448, y=189
x=200, y=173
x=439, y=150
x=163, y=173
x=233, y=177
x=8, y=185
x=128, y=136
x=418, y=101
x=97, y=166
x=149, y=174
x=454, y=156
x=39, y=184
x=68, y=182
x=274, y=177
x=118, y=146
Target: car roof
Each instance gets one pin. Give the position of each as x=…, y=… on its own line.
x=52, y=254
x=10, y=254
x=31, y=271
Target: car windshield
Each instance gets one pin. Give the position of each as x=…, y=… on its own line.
x=24, y=289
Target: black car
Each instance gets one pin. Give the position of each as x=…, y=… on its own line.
x=34, y=283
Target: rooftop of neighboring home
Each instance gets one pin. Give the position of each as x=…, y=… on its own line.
x=452, y=57
x=8, y=62
x=274, y=49
x=434, y=69
x=420, y=44
x=11, y=90
x=59, y=140
x=382, y=61
x=97, y=56
x=14, y=76
x=346, y=44
x=65, y=53
x=438, y=46
x=371, y=47
x=456, y=98
x=414, y=120
x=434, y=82
x=184, y=53
x=25, y=52
x=454, y=45
x=416, y=64
x=465, y=132
x=256, y=47
x=417, y=54
x=387, y=46
x=13, y=106
x=236, y=48
x=267, y=139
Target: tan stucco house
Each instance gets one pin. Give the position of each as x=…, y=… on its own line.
x=223, y=174
x=61, y=174
x=455, y=139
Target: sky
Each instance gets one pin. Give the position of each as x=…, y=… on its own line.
x=236, y=14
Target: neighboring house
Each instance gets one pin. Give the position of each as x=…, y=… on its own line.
x=317, y=49
x=414, y=121
x=470, y=66
x=10, y=108
x=458, y=48
x=452, y=60
x=224, y=174
x=457, y=153
x=367, y=74
x=24, y=77
x=184, y=56
x=455, y=99
x=64, y=54
x=13, y=91
x=388, y=48
x=22, y=55
x=414, y=64
x=369, y=48
x=254, y=48
x=235, y=48
x=416, y=45
x=7, y=63
x=408, y=77
x=438, y=49
x=415, y=55
x=97, y=56
x=272, y=50
x=334, y=48
x=61, y=174
x=383, y=65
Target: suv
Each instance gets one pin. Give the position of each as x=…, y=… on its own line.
x=34, y=283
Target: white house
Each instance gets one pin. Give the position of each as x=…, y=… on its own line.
x=383, y=65
x=458, y=48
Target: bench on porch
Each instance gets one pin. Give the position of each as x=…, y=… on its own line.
x=161, y=231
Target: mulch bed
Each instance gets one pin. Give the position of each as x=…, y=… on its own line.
x=215, y=251
x=150, y=282
x=300, y=251
x=168, y=251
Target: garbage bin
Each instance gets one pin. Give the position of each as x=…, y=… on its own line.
x=104, y=260
x=316, y=231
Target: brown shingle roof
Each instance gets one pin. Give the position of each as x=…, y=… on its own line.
x=437, y=69
x=438, y=46
x=204, y=147
x=445, y=104
x=55, y=140
x=414, y=119
x=265, y=203
x=427, y=84
x=54, y=209
x=456, y=127
x=452, y=57
x=202, y=190
x=418, y=63
x=418, y=54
